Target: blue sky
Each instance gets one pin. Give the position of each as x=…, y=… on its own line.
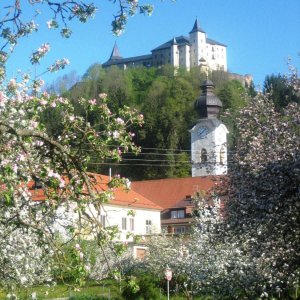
x=260, y=34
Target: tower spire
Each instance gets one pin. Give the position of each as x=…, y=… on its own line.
x=208, y=105
x=115, y=54
x=196, y=27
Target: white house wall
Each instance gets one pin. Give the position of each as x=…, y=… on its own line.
x=114, y=215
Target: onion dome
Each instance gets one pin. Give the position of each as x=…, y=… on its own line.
x=208, y=105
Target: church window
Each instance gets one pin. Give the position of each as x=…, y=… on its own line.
x=203, y=155
x=222, y=155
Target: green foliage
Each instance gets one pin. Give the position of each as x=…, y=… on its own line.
x=282, y=92
x=232, y=95
x=117, y=85
x=141, y=287
x=89, y=297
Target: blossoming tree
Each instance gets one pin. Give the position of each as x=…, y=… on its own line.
x=250, y=248
x=31, y=160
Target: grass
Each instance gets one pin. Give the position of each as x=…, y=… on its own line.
x=63, y=291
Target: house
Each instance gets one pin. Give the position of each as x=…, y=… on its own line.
x=132, y=213
x=174, y=195
x=193, y=50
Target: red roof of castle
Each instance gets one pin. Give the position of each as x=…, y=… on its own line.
x=172, y=192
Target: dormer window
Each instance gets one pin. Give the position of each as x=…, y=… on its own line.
x=177, y=214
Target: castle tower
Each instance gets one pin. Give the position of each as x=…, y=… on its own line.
x=174, y=53
x=208, y=136
x=198, y=44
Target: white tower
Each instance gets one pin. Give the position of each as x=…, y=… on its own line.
x=197, y=39
x=174, y=53
x=208, y=136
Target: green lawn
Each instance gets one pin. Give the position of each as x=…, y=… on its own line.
x=61, y=291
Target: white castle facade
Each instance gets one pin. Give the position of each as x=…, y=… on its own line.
x=187, y=52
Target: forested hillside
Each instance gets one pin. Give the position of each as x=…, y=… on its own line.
x=167, y=103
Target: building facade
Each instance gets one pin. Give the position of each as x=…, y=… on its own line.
x=175, y=196
x=131, y=213
x=193, y=50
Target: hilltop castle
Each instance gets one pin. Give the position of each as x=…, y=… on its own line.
x=182, y=51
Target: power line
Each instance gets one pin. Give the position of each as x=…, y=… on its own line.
x=179, y=164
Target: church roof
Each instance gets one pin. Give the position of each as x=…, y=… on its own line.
x=208, y=105
x=196, y=27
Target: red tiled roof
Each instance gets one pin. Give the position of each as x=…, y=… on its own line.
x=122, y=197
x=171, y=192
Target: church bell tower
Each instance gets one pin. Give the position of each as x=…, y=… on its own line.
x=209, y=135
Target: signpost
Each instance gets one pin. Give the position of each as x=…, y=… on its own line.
x=168, y=276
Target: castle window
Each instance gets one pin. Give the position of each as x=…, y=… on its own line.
x=203, y=155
